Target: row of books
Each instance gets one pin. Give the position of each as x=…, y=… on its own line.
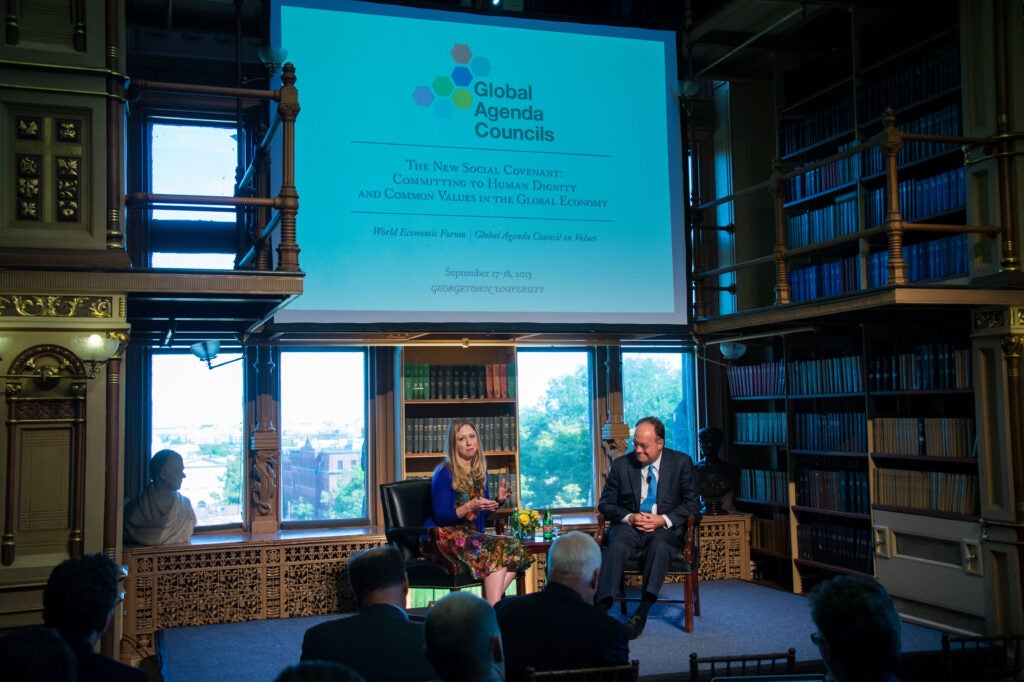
x=767, y=378
x=764, y=484
x=841, y=491
x=935, y=491
x=830, y=432
x=919, y=197
x=833, y=174
x=944, y=257
x=830, y=278
x=455, y=382
x=924, y=436
x=429, y=434
x=836, y=545
x=945, y=121
x=939, y=365
x=761, y=427
x=823, y=223
x=824, y=375
x=816, y=126
x=772, y=534
x=931, y=75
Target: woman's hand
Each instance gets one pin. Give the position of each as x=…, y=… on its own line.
x=504, y=492
x=478, y=504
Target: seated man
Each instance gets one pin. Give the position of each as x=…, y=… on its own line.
x=463, y=640
x=379, y=642
x=161, y=515
x=859, y=631
x=78, y=602
x=559, y=627
x=647, y=497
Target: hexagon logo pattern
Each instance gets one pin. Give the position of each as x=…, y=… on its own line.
x=450, y=92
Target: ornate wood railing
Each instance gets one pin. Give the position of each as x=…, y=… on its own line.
x=285, y=203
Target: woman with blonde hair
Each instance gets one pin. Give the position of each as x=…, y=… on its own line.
x=460, y=510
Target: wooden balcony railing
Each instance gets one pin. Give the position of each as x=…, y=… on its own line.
x=255, y=180
x=889, y=141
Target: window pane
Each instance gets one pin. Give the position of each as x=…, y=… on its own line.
x=194, y=261
x=661, y=384
x=556, y=452
x=323, y=436
x=175, y=149
x=198, y=413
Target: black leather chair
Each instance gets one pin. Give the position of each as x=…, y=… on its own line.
x=406, y=508
x=685, y=563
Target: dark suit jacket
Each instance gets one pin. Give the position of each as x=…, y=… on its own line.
x=379, y=642
x=678, y=496
x=94, y=667
x=555, y=629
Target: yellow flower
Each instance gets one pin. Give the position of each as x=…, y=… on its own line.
x=524, y=517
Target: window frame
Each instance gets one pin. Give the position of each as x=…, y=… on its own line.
x=371, y=469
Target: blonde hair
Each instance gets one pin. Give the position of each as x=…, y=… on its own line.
x=462, y=480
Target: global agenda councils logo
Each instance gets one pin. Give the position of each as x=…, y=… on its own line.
x=503, y=111
x=446, y=93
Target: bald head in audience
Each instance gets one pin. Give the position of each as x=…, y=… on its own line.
x=463, y=641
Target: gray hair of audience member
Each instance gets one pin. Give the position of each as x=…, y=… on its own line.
x=375, y=568
x=319, y=671
x=574, y=555
x=858, y=620
x=37, y=654
x=461, y=633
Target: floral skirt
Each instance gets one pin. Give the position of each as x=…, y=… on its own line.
x=482, y=554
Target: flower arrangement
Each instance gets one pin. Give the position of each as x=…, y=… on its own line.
x=528, y=522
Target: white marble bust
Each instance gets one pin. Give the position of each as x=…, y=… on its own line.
x=161, y=515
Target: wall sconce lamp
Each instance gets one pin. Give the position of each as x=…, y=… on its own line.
x=48, y=364
x=732, y=350
x=207, y=351
x=686, y=89
x=271, y=57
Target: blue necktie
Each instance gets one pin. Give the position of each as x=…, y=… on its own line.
x=652, y=491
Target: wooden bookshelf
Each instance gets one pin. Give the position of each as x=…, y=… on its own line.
x=439, y=384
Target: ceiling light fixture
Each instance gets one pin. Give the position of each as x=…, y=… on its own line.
x=208, y=350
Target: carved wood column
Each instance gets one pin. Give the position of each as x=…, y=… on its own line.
x=265, y=451
x=891, y=145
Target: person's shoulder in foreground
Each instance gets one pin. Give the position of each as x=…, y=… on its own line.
x=78, y=601
x=858, y=629
x=559, y=627
x=379, y=642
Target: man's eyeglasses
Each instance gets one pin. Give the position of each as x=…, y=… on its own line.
x=642, y=446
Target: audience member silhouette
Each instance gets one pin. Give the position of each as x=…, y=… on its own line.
x=859, y=631
x=161, y=515
x=319, y=671
x=37, y=654
x=79, y=601
x=463, y=640
x=559, y=627
x=379, y=642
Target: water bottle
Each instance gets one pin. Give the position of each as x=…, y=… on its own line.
x=549, y=526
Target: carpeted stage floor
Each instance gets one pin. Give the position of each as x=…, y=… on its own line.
x=736, y=617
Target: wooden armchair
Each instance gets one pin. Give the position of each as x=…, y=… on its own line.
x=406, y=507
x=686, y=563
x=629, y=672
x=739, y=665
x=988, y=657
